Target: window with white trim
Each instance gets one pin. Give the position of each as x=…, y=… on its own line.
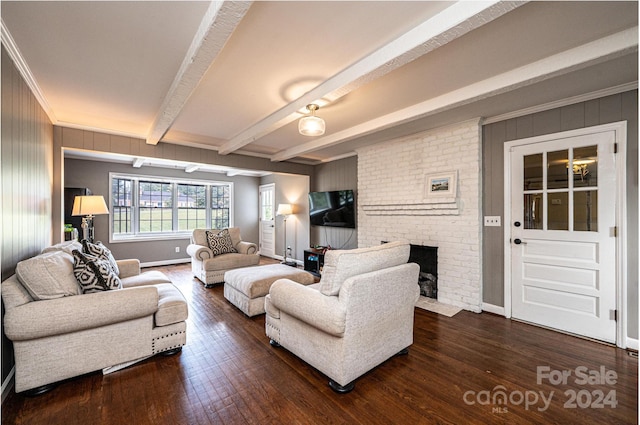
x=151, y=207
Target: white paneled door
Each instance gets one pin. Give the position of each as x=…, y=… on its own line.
x=267, y=220
x=563, y=234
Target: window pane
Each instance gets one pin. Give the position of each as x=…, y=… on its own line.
x=585, y=166
x=191, y=205
x=533, y=214
x=558, y=210
x=533, y=172
x=165, y=207
x=156, y=202
x=266, y=205
x=557, y=177
x=220, y=206
x=121, y=205
x=585, y=211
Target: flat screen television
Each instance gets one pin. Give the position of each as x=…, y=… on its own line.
x=334, y=209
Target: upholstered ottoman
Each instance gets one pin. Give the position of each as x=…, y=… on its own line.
x=246, y=287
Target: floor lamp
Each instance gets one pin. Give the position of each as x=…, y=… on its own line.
x=285, y=210
x=89, y=207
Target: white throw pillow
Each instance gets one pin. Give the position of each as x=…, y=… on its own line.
x=48, y=276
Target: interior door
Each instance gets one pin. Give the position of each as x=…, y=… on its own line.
x=267, y=220
x=563, y=248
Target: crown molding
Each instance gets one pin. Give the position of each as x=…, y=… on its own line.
x=16, y=56
x=564, y=102
x=64, y=124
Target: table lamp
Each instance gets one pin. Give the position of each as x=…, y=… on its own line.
x=89, y=207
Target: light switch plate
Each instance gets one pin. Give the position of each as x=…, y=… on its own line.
x=492, y=220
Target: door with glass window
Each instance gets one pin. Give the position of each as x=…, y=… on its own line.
x=267, y=220
x=563, y=249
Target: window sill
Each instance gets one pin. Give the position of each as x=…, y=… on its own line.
x=149, y=238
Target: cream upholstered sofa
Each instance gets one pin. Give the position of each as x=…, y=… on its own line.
x=210, y=268
x=59, y=333
x=359, y=315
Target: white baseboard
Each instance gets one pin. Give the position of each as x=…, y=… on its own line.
x=166, y=262
x=281, y=258
x=7, y=385
x=495, y=309
x=632, y=343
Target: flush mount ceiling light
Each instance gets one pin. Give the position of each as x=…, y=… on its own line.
x=311, y=125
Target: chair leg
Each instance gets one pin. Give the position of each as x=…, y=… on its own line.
x=34, y=392
x=274, y=343
x=171, y=352
x=403, y=352
x=341, y=389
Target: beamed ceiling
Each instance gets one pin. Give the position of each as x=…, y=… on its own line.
x=235, y=77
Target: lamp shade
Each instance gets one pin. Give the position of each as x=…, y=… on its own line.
x=284, y=209
x=89, y=205
x=311, y=126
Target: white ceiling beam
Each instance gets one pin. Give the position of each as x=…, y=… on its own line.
x=138, y=162
x=217, y=25
x=446, y=26
x=597, y=51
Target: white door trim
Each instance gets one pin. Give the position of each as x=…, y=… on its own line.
x=620, y=129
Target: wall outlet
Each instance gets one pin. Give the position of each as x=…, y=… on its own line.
x=492, y=220
x=177, y=249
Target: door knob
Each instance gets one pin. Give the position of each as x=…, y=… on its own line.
x=518, y=242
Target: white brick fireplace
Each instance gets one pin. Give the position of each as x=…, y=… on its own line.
x=393, y=204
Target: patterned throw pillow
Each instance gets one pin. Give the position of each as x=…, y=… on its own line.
x=220, y=243
x=102, y=252
x=94, y=274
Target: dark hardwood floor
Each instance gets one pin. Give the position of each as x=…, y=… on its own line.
x=455, y=373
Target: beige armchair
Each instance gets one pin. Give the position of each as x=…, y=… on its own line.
x=59, y=333
x=210, y=268
x=358, y=316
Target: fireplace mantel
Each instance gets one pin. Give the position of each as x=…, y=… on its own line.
x=442, y=206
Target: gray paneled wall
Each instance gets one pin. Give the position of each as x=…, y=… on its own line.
x=95, y=176
x=619, y=107
x=100, y=142
x=336, y=175
x=27, y=161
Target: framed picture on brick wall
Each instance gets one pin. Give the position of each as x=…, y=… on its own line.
x=441, y=185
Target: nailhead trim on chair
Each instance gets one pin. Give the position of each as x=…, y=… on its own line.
x=275, y=329
x=153, y=343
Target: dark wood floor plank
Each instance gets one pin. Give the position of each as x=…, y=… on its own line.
x=229, y=374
